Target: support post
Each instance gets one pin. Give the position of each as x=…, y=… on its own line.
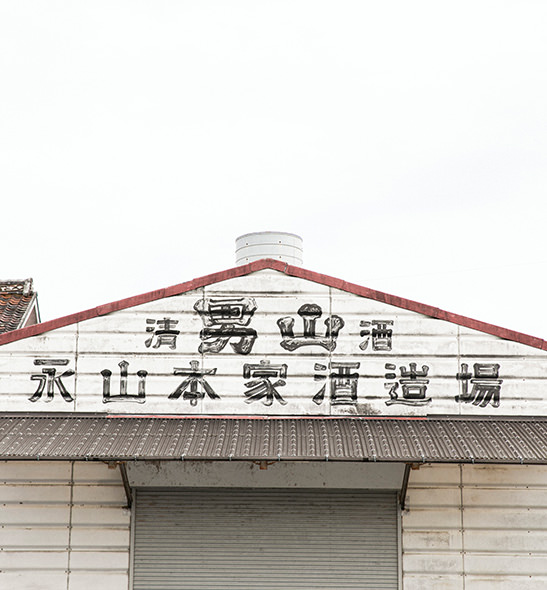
x=404, y=485
x=127, y=487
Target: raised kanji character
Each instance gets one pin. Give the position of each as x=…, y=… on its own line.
x=310, y=313
x=380, y=334
x=261, y=388
x=413, y=382
x=163, y=332
x=123, y=396
x=225, y=319
x=49, y=378
x=194, y=387
x=342, y=383
x=486, y=385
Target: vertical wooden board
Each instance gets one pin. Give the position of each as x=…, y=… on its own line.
x=505, y=518
x=505, y=525
x=431, y=528
x=510, y=564
x=303, y=314
x=427, y=541
x=416, y=338
x=267, y=282
x=31, y=515
x=433, y=496
x=103, y=393
x=499, y=497
x=309, y=319
x=100, y=538
x=434, y=475
x=43, y=471
x=98, y=579
x=17, y=537
x=527, y=582
x=272, y=307
x=480, y=343
x=506, y=542
x=100, y=561
x=437, y=518
x=527, y=368
x=39, y=523
x=433, y=582
x=384, y=361
x=377, y=386
x=99, y=495
x=436, y=563
x=90, y=516
x=137, y=330
x=501, y=394
x=58, y=341
x=31, y=580
x=520, y=383
x=34, y=494
x=31, y=383
x=505, y=475
x=122, y=337
x=290, y=389
x=411, y=333
x=36, y=561
x=98, y=473
x=53, y=351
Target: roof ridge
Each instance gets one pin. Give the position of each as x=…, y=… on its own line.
x=290, y=270
x=23, y=286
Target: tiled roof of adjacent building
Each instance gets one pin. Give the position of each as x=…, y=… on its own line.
x=17, y=305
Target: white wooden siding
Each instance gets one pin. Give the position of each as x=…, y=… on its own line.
x=101, y=343
x=475, y=527
x=63, y=526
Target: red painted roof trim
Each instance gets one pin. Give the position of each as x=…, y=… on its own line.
x=293, y=271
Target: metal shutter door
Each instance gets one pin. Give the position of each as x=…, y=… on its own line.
x=268, y=539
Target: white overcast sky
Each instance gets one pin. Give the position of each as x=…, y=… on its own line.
x=406, y=142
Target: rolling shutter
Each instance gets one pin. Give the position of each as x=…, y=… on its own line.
x=267, y=539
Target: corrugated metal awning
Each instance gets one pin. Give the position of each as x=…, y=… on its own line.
x=439, y=440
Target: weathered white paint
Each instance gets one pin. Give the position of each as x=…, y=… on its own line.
x=102, y=343
x=475, y=527
x=371, y=476
x=465, y=527
x=63, y=525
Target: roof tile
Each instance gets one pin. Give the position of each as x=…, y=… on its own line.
x=15, y=300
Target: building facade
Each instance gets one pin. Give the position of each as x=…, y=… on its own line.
x=270, y=427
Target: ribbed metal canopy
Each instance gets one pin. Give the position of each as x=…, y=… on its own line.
x=437, y=440
x=311, y=439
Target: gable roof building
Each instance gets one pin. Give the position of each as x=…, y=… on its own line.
x=201, y=435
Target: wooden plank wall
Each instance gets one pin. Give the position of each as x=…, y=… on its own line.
x=63, y=526
x=101, y=343
x=476, y=527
